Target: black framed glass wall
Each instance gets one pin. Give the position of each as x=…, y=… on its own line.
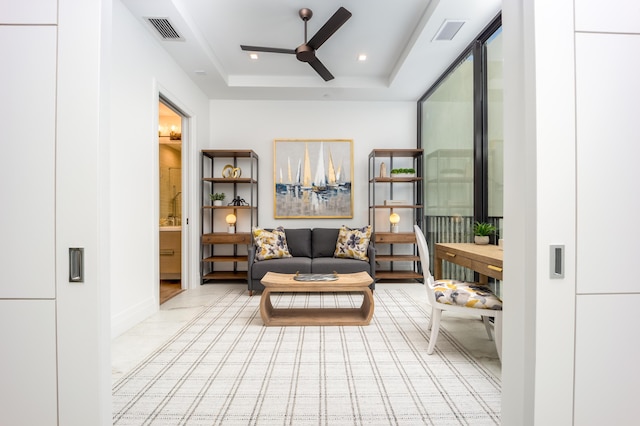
x=460, y=130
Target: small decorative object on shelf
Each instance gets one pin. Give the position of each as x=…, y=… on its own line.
x=395, y=202
x=231, y=221
x=238, y=202
x=482, y=231
x=383, y=170
x=217, y=198
x=394, y=218
x=410, y=172
x=231, y=172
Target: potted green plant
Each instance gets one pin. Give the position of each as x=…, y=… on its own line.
x=482, y=231
x=403, y=172
x=217, y=198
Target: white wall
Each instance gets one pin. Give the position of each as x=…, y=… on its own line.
x=141, y=69
x=519, y=291
x=255, y=125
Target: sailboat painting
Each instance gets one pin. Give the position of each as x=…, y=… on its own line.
x=313, y=178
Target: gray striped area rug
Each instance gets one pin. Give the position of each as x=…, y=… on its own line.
x=225, y=368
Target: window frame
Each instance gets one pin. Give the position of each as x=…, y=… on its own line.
x=477, y=49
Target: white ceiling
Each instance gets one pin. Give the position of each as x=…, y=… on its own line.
x=396, y=36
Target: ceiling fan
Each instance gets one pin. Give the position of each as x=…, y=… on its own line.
x=306, y=52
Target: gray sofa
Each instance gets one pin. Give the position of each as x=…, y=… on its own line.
x=312, y=252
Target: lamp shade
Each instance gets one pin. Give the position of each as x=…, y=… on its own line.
x=231, y=219
x=394, y=218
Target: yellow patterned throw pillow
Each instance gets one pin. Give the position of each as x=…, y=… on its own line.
x=461, y=293
x=270, y=244
x=353, y=243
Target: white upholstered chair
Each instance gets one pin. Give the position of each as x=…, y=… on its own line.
x=458, y=296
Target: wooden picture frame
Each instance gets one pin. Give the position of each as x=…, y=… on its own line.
x=313, y=178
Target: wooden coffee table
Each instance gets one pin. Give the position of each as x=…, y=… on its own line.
x=284, y=283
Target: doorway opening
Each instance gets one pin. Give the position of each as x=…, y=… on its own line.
x=170, y=161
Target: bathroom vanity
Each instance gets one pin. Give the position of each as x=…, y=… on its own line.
x=170, y=252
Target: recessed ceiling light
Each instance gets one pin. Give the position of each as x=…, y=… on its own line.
x=253, y=56
x=200, y=72
x=362, y=57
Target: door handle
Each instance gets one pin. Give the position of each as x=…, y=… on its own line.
x=556, y=261
x=76, y=265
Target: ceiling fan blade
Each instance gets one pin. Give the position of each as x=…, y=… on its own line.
x=321, y=69
x=267, y=49
x=341, y=16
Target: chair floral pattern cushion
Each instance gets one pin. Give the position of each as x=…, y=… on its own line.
x=471, y=295
x=270, y=245
x=353, y=243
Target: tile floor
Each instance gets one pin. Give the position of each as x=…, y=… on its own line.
x=130, y=348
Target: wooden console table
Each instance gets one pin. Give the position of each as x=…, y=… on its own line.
x=484, y=259
x=284, y=283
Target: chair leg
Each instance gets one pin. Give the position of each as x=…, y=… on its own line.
x=497, y=330
x=435, y=328
x=487, y=326
x=433, y=312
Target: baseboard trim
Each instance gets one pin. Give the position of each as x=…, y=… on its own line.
x=132, y=316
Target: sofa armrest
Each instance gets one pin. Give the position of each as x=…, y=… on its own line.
x=371, y=253
x=251, y=256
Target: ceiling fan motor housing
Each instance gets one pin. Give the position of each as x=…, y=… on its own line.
x=305, y=53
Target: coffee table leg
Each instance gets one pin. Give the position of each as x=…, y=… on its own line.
x=367, y=305
x=266, y=307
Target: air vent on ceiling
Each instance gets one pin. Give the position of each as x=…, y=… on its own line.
x=448, y=30
x=165, y=29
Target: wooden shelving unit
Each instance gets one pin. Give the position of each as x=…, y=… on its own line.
x=397, y=252
x=223, y=254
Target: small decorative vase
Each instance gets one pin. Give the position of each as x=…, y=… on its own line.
x=481, y=240
x=383, y=170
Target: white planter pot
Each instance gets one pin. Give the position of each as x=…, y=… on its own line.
x=481, y=240
x=402, y=175
x=217, y=202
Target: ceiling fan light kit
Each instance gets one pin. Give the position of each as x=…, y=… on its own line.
x=306, y=52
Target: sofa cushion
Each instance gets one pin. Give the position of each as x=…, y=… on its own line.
x=328, y=265
x=289, y=265
x=353, y=243
x=323, y=241
x=299, y=242
x=270, y=244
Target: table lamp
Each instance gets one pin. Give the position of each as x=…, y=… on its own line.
x=394, y=218
x=231, y=221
